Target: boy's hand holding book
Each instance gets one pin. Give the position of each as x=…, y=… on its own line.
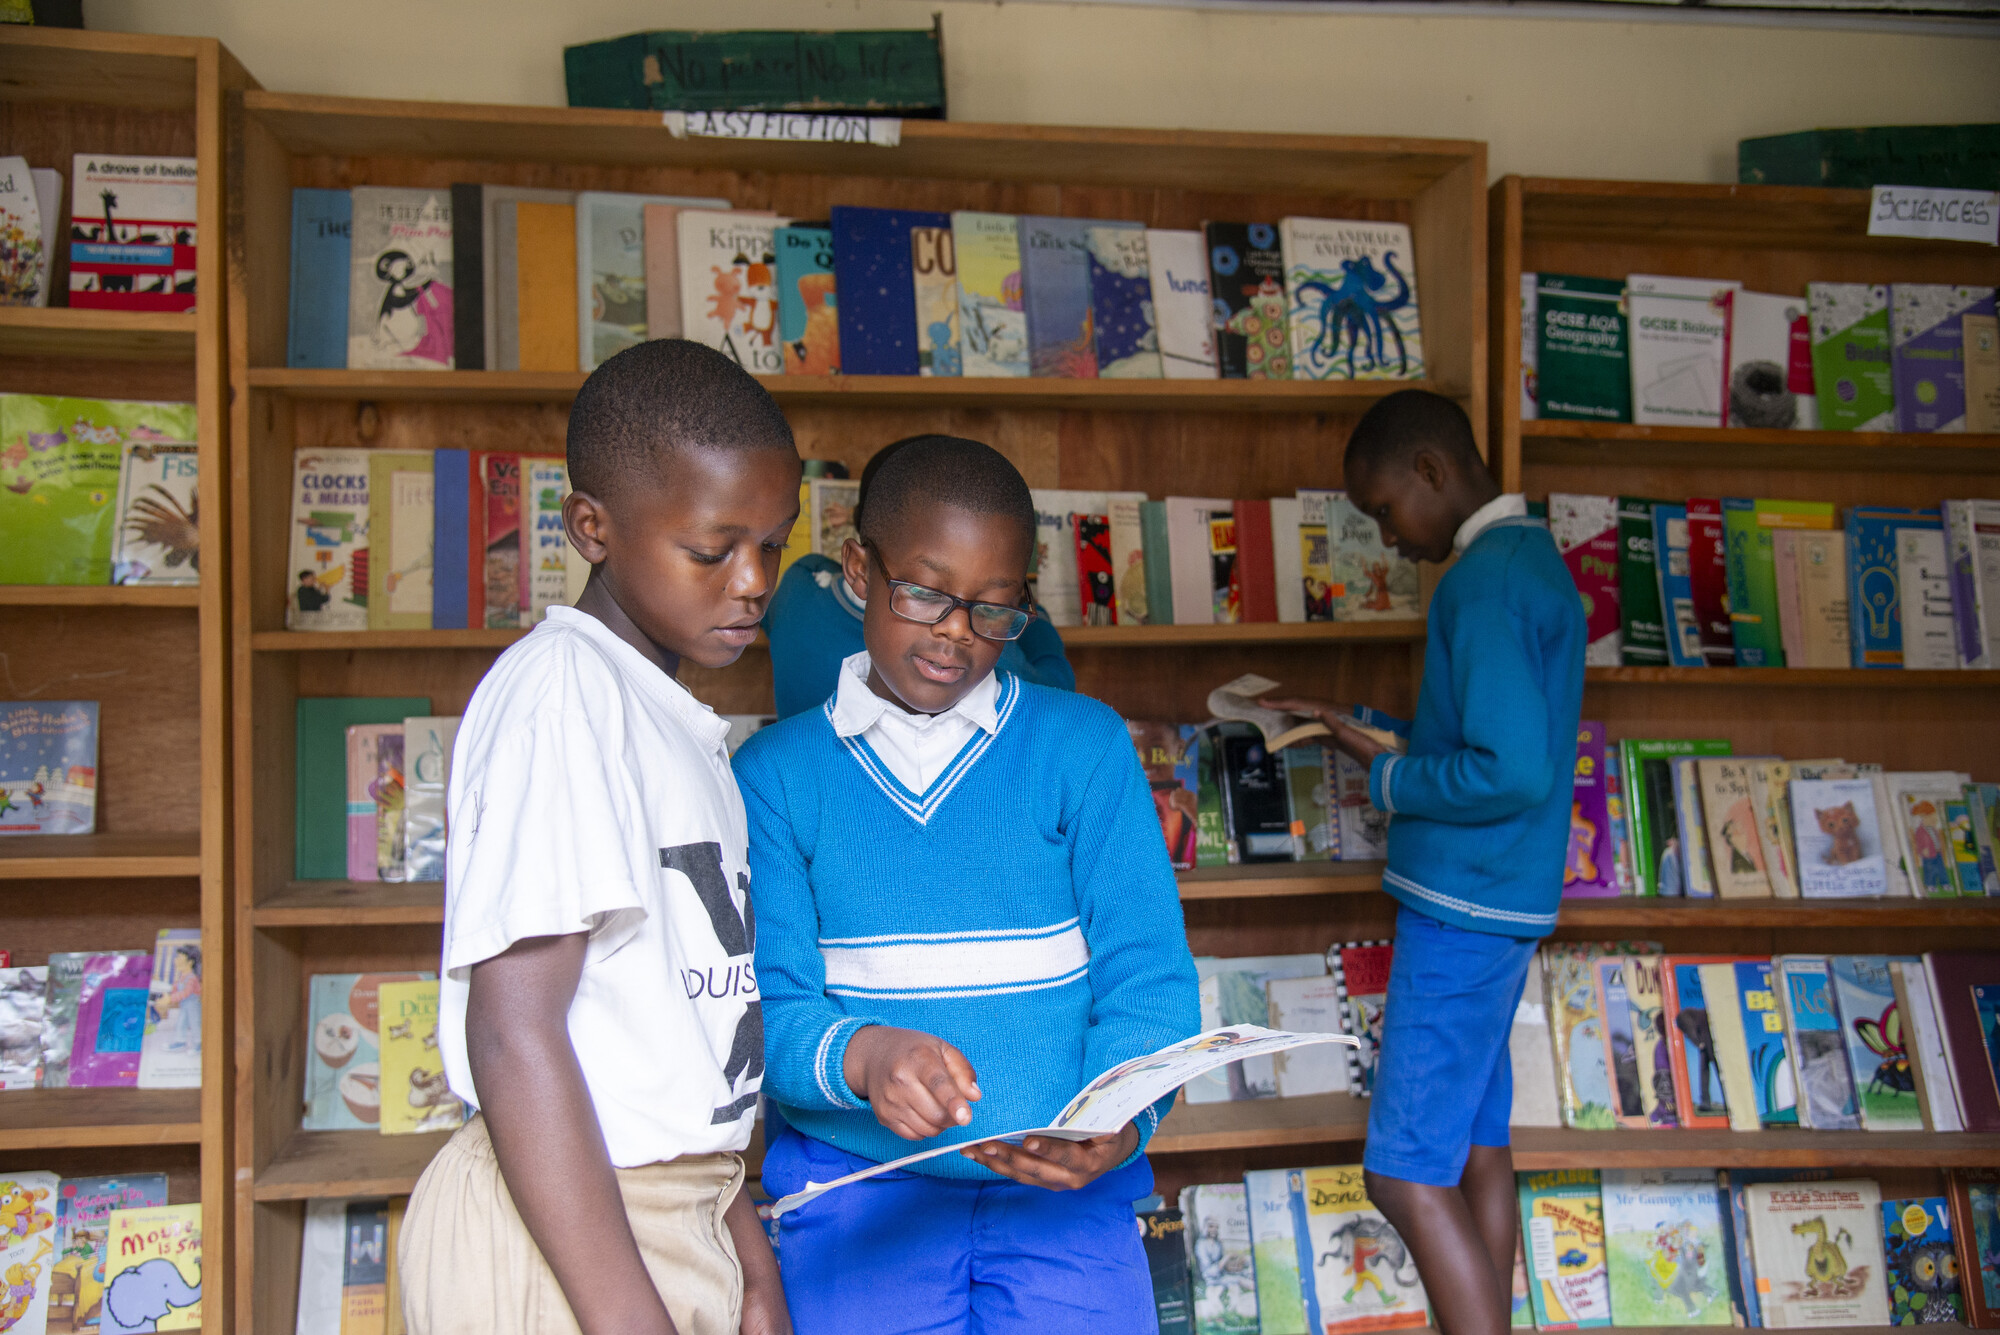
x=1059, y=1165
x=1338, y=720
x=918, y=1084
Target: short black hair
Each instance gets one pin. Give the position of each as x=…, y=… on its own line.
x=661, y=398
x=1407, y=421
x=941, y=470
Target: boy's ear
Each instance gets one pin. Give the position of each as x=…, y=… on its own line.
x=854, y=568
x=1430, y=466
x=588, y=524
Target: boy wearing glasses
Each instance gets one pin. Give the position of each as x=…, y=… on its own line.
x=964, y=913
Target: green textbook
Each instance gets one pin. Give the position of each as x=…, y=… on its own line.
x=1850, y=356
x=1750, y=563
x=1643, y=638
x=1581, y=347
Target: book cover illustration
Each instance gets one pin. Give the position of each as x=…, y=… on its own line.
x=934, y=278
x=1274, y=1251
x=83, y=1233
x=499, y=497
x=1055, y=290
x=1096, y=577
x=1361, y=968
x=1819, y=1252
x=48, y=767
x=1678, y=344
x=992, y=323
x=1163, y=757
x=612, y=294
x=399, y=307
x=1643, y=639
x=1221, y=1272
x=808, y=306
x=1839, y=839
x=62, y=989
x=1235, y=989
x=1773, y=1076
x=729, y=287
x=170, y=1052
x=545, y=486
x=158, y=538
x=1224, y=576
x=388, y=793
x=1576, y=1026
x=1872, y=1028
x=1521, y=1315
x=113, y=989
x=1364, y=579
x=152, y=1269
x=415, y=1095
x=1586, y=532
x=364, y=1270
x=27, y=1248
x=1826, y=1086
x=1697, y=863
x=24, y=250
x=1128, y=560
x=1351, y=289
x=1678, y=620
x=872, y=271
x=1581, y=349
x=24, y=992
x=1310, y=1005
x=1921, y=1260
x=1874, y=602
x=1621, y=1056
x=1246, y=269
x=427, y=744
x=1708, y=580
x=1562, y=1226
x=1651, y=1042
x=1850, y=356
x=364, y=742
x=343, y=1069
x=1975, y=1198
x=1923, y=816
x=1183, y=305
x=1355, y=1270
x=1123, y=317
x=1697, y=1074
x=329, y=565
x=1763, y=388
x=1663, y=1247
x=132, y=233
x=1588, y=866
x=1927, y=352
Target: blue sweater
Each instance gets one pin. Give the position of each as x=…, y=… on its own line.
x=1480, y=807
x=814, y=628
x=1023, y=909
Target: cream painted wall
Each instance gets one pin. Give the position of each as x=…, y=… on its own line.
x=1553, y=97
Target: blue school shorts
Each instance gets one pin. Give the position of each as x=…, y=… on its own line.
x=904, y=1254
x=1443, y=1082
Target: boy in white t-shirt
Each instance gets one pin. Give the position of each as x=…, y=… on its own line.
x=598, y=1004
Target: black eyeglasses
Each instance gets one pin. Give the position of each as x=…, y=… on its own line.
x=927, y=606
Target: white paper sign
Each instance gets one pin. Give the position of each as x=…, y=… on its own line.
x=1944, y=215
x=794, y=127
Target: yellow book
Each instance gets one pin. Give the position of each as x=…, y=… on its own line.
x=152, y=1268
x=414, y=1094
x=393, y=1323
x=545, y=269
x=402, y=512
x=800, y=540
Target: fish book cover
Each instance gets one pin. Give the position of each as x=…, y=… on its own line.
x=83, y=1233
x=152, y=1269
x=1351, y=289
x=1664, y=1253
x=343, y=1065
x=1055, y=291
x=415, y=1096
x=808, y=307
x=1246, y=272
x=1562, y=1223
x=132, y=233
x=1355, y=1270
x=158, y=540
x=399, y=304
x=992, y=322
x=48, y=767
x=328, y=572
x=1121, y=302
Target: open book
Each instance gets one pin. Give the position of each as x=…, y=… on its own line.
x=1107, y=1103
x=1237, y=701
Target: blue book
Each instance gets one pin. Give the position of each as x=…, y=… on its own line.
x=452, y=490
x=1772, y=1074
x=48, y=767
x=322, y=223
x=1875, y=616
x=808, y=325
x=873, y=274
x=1121, y=302
x=1055, y=292
x=1670, y=560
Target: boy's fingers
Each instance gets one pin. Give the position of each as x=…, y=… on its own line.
x=944, y=1090
x=961, y=1072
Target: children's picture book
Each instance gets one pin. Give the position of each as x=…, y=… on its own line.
x=415, y=1096
x=1697, y=864
x=112, y=992
x=427, y=743
x=1839, y=839
x=1351, y=294
x=1850, y=356
x=1663, y=1247
x=1360, y=969
x=364, y=745
x=1652, y=1044
x=1309, y=1005
x=1872, y=1027
x=23, y=1015
x=1233, y=993
x=152, y=1269
x=83, y=1226
x=1164, y=1235
x=1365, y=579
x=1658, y=852
x=1927, y=834
x=170, y=1053
x=1773, y=1074
x=365, y=1265
x=1581, y=349
x=328, y=572
x=1586, y=532
x=343, y=1067
x=1698, y=1095
x=612, y=297
x=1055, y=292
x=1128, y=560
x=1356, y=1272
x=808, y=307
x=24, y=249
x=544, y=486
x=28, y=1248
x=1246, y=270
x=661, y=235
x=62, y=987
x=399, y=301
x=1966, y=989
x=992, y=322
x=1621, y=1058
x=1927, y=352
x=1921, y=1257
x=1708, y=580
x=1096, y=578
x=1825, y=1084
x=158, y=539
x=1562, y=1229
x=1164, y=757
x=1521, y=1314
x=729, y=287
x=1183, y=306
x=1923, y=1040
x=1975, y=1211
x=934, y=275
x=132, y=233
x=403, y=506
x=1819, y=1252
x=1274, y=1250
x=1221, y=1272
x=1576, y=1028
x=872, y=275
x=1123, y=317
x=1589, y=868
x=48, y=766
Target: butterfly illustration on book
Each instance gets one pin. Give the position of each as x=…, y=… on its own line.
x=1884, y=1038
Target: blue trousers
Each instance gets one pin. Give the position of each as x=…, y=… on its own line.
x=904, y=1254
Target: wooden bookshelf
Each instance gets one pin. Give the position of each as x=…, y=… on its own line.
x=157, y=660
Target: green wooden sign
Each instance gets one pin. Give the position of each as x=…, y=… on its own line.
x=1962, y=157
x=891, y=73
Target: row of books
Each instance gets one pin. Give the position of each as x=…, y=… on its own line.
x=1620, y=1035
x=372, y=1059
x=1303, y=1251
x=131, y=228
x=1341, y=990
x=97, y=1254
x=104, y=1019
x=348, y=1272
x=1679, y=816
x=98, y=491
x=48, y=767
x=1703, y=352
x=485, y=277
x=1737, y=582
x=397, y=776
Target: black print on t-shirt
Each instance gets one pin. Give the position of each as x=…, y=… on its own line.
x=735, y=934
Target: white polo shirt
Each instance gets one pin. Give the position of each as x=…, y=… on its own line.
x=591, y=793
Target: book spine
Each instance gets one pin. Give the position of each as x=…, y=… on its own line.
x=468, y=278
x=450, y=557
x=1255, y=560
x=322, y=224
x=1159, y=564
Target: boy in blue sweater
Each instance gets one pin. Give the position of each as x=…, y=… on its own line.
x=814, y=624
x=1478, y=825
x=964, y=913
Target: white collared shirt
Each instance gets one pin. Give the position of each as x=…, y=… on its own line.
x=1507, y=505
x=915, y=747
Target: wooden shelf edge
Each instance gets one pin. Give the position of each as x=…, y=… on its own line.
x=317, y=1164
x=73, y=856
x=1630, y=911
x=100, y=595
x=1852, y=440
x=60, y=331
x=101, y=1137
x=1785, y=678
x=1074, y=637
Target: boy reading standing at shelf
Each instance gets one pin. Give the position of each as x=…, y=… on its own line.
x=965, y=913
x=1479, y=813
x=814, y=623
x=597, y=869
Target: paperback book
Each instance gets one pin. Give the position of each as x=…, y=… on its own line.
x=1221, y=1269
x=83, y=1232
x=1056, y=296
x=24, y=247
x=1678, y=355
x=158, y=538
x=1819, y=1253
x=1274, y=1250
x=1921, y=1260
x=1839, y=839
x=729, y=287
x=399, y=300
x=1562, y=1229
x=876, y=287
x=156, y=1233
x=170, y=1051
x=1356, y=1272
x=329, y=543
x=1586, y=532
x=1850, y=356
x=415, y=1095
x=133, y=234
x=28, y=1247
x=1581, y=349
x=1872, y=1028
x=1351, y=291
x=1825, y=1084
x=934, y=276
x=343, y=1082
x=1663, y=1247
x=1123, y=314
x=992, y=324
x=1246, y=270
x=1183, y=306
x=322, y=253
x=48, y=767
x=1927, y=352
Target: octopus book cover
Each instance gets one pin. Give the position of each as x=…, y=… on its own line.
x=48, y=767
x=1351, y=289
x=1819, y=1252
x=399, y=306
x=1663, y=1247
x=1357, y=1274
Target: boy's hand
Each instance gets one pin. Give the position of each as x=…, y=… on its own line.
x=918, y=1084
x=764, y=1310
x=1359, y=745
x=1059, y=1165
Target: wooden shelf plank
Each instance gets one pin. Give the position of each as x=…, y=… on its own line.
x=1268, y=880
x=47, y=1119
x=1860, y=679
x=1323, y=1119
x=351, y=904
x=1074, y=637
x=342, y=641
x=1558, y=1147
x=128, y=336
x=99, y=595
x=1284, y=396
x=51, y=856
x=1628, y=911
x=1599, y=443
x=315, y=1164
x=1778, y=217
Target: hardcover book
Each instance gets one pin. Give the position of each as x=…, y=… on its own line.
x=1183, y=306
x=1057, y=580
x=399, y=306
x=1586, y=532
x=1055, y=293
x=1819, y=1253
x=1813, y=603
x=28, y=1250
x=872, y=274
x=1642, y=634
x=158, y=539
x=364, y=1272
x=1678, y=349
x=329, y=548
x=1804, y=985
x=1773, y=1074
x=1927, y=352
x=729, y=288
x=1351, y=292
x=544, y=271
x=1968, y=992
x=320, y=783
x=992, y=324
x=1123, y=317
x=1274, y=1250
x=1975, y=1209
x=451, y=531
x=139, y=1237
x=1676, y=592
x=83, y=1228
x=1355, y=1270
x=48, y=767
x=1921, y=1262
x=1221, y=1272
x=934, y=274
x=1365, y=579
x=1288, y=573
x=1581, y=349
x=1872, y=1028
x=1982, y=372
x=402, y=515
x=1588, y=866
x=1839, y=839
x=1761, y=389
x=1708, y=581
x=322, y=236
x=1562, y=1230
x=133, y=233
x=343, y=1082
x=662, y=239
x=499, y=269
x=1850, y=356
x=1736, y=849
x=170, y=1052
x=1246, y=272
x=1663, y=1247
x=415, y=1095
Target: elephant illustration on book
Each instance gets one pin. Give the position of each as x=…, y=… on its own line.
x=137, y=1299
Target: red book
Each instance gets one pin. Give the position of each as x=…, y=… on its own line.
x=1710, y=581
x=498, y=567
x=1256, y=561
x=1096, y=581
x=1698, y=1101
x=1967, y=986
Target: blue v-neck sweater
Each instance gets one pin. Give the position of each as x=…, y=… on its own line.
x=1022, y=908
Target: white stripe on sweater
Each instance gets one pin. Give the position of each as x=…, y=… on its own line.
x=900, y=967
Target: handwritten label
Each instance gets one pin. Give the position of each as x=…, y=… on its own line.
x=791, y=127
x=1937, y=214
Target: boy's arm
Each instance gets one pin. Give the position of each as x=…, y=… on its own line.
x=546, y=1137
x=764, y=1310
x=1038, y=657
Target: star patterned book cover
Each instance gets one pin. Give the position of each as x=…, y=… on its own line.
x=1121, y=303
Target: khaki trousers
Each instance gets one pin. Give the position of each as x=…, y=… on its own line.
x=468, y=1266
